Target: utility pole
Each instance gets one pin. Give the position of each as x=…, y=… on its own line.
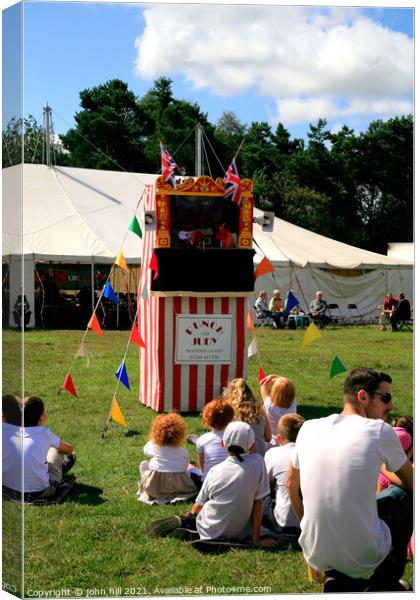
x=47, y=121
x=198, y=147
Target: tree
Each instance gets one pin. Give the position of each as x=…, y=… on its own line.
x=109, y=130
x=29, y=132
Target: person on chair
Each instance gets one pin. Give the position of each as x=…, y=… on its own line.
x=389, y=305
x=261, y=306
x=401, y=313
x=317, y=310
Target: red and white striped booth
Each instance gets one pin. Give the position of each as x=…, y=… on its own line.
x=193, y=314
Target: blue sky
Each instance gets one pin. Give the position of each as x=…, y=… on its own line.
x=288, y=64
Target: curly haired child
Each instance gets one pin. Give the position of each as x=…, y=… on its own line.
x=249, y=410
x=279, y=398
x=165, y=476
x=216, y=415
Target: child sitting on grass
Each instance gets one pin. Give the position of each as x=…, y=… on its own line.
x=279, y=515
x=249, y=410
x=41, y=454
x=385, y=478
x=279, y=398
x=165, y=477
x=216, y=415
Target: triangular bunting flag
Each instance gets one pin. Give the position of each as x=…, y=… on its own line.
x=69, y=386
x=83, y=352
x=116, y=414
x=110, y=294
x=263, y=268
x=154, y=265
x=135, y=227
x=144, y=293
x=337, y=367
x=250, y=321
x=291, y=302
x=94, y=325
x=120, y=261
x=136, y=338
x=252, y=348
x=121, y=374
x=311, y=335
x=261, y=375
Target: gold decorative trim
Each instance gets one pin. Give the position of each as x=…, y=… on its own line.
x=202, y=185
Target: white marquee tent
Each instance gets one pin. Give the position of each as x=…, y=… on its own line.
x=63, y=214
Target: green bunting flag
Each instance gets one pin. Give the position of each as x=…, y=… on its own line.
x=135, y=227
x=337, y=367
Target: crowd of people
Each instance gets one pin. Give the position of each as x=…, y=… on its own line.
x=342, y=485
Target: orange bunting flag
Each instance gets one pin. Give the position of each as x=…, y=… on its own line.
x=69, y=385
x=116, y=414
x=154, y=265
x=263, y=268
x=311, y=335
x=136, y=338
x=120, y=261
x=94, y=325
x=250, y=321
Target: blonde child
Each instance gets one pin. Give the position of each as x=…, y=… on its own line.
x=279, y=398
x=216, y=415
x=165, y=476
x=249, y=410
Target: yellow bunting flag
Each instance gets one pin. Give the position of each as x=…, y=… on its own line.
x=117, y=415
x=250, y=321
x=311, y=335
x=120, y=261
x=94, y=325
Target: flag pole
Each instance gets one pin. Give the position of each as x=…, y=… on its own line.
x=239, y=149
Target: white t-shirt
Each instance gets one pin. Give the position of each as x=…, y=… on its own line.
x=210, y=445
x=339, y=458
x=33, y=444
x=277, y=461
x=274, y=413
x=167, y=459
x=228, y=495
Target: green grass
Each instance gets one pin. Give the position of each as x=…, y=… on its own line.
x=96, y=539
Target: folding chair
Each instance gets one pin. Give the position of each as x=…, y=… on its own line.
x=336, y=319
x=264, y=320
x=355, y=313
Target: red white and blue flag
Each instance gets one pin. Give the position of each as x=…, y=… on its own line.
x=168, y=166
x=233, y=184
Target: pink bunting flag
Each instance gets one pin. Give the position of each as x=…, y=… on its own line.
x=154, y=265
x=261, y=375
x=69, y=385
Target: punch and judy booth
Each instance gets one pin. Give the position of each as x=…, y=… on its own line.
x=196, y=277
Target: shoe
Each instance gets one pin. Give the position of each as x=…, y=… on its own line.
x=192, y=439
x=346, y=584
x=181, y=533
x=68, y=462
x=162, y=527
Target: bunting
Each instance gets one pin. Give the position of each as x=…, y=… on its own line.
x=69, y=385
x=261, y=375
x=311, y=335
x=144, y=293
x=291, y=302
x=252, y=348
x=121, y=375
x=250, y=321
x=337, y=367
x=263, y=268
x=136, y=338
x=94, y=325
x=116, y=414
x=154, y=265
x=83, y=352
x=120, y=261
x=110, y=294
x=135, y=227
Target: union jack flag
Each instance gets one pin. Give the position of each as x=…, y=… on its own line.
x=233, y=184
x=168, y=166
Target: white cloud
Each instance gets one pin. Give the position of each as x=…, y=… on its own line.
x=315, y=62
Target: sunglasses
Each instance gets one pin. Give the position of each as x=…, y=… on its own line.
x=386, y=398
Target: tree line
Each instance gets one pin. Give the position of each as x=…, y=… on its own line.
x=356, y=188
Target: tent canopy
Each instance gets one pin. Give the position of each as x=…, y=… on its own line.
x=66, y=214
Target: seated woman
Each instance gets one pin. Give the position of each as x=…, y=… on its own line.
x=261, y=307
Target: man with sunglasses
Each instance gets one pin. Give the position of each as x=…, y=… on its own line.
x=357, y=538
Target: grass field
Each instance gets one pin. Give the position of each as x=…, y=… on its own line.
x=95, y=543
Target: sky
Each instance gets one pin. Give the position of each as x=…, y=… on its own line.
x=274, y=63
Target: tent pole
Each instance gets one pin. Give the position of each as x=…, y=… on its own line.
x=92, y=283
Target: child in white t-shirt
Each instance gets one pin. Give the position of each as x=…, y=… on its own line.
x=216, y=415
x=279, y=398
x=165, y=476
x=229, y=505
x=41, y=454
x=279, y=515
